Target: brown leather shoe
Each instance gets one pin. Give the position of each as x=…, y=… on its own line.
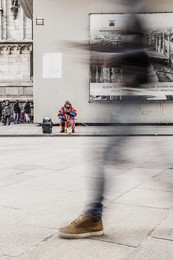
x=83, y=226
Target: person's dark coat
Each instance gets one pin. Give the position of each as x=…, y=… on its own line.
x=27, y=108
x=17, y=108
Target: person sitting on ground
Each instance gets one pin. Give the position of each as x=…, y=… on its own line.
x=67, y=113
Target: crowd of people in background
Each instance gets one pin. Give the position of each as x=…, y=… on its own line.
x=16, y=113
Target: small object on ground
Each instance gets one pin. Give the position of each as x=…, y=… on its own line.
x=47, y=125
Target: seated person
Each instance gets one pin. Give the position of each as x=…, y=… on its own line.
x=66, y=115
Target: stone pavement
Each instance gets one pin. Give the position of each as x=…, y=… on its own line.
x=36, y=130
x=44, y=185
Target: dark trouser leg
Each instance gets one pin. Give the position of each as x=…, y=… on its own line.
x=62, y=124
x=9, y=120
x=5, y=120
x=111, y=154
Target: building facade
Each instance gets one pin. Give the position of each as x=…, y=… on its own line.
x=16, y=52
x=57, y=22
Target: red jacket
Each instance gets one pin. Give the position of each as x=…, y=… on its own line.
x=63, y=110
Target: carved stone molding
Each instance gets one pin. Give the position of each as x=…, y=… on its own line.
x=19, y=48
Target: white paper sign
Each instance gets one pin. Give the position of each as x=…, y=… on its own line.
x=52, y=65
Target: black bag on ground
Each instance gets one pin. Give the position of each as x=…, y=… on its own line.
x=47, y=126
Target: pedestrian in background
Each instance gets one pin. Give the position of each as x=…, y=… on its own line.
x=7, y=112
x=0, y=111
x=17, y=111
x=27, y=111
x=2, y=114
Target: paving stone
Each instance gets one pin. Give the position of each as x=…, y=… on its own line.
x=26, y=197
x=165, y=229
x=140, y=173
x=8, y=172
x=58, y=213
x=153, y=249
x=54, y=191
x=4, y=257
x=9, y=215
x=148, y=198
x=16, y=239
x=155, y=165
x=162, y=182
x=85, y=249
x=6, y=181
x=130, y=225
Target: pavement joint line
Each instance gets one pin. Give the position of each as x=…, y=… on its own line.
x=9, y=255
x=138, y=248
x=16, y=183
x=35, y=177
x=159, y=174
x=111, y=242
x=51, y=228
x=155, y=190
x=161, y=238
x=8, y=207
x=142, y=206
x=162, y=221
x=122, y=194
x=83, y=135
x=35, y=246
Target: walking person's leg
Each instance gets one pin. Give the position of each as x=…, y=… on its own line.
x=17, y=119
x=15, y=116
x=27, y=118
x=9, y=120
x=5, y=120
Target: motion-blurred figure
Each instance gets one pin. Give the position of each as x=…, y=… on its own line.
x=134, y=63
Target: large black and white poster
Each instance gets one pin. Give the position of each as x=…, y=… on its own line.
x=106, y=82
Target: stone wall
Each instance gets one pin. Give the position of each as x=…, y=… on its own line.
x=16, y=59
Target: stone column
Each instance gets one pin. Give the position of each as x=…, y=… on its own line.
x=168, y=50
x=5, y=21
x=163, y=45
x=156, y=39
x=1, y=10
x=160, y=42
x=23, y=27
x=150, y=39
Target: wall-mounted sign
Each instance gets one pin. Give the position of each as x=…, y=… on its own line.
x=109, y=35
x=52, y=65
x=40, y=21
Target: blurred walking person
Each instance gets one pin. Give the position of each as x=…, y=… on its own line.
x=134, y=63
